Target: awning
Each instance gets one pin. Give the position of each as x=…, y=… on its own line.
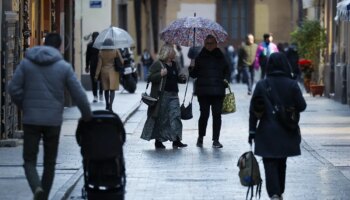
x=343, y=11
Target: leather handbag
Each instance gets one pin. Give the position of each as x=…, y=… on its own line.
x=229, y=104
x=186, y=111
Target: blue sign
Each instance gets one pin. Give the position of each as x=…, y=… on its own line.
x=95, y=4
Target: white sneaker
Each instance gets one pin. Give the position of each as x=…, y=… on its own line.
x=101, y=98
x=95, y=99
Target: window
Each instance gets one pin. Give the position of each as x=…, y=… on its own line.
x=236, y=18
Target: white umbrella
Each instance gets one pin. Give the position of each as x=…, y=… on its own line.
x=113, y=38
x=343, y=11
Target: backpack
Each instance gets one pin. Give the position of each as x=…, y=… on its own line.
x=249, y=173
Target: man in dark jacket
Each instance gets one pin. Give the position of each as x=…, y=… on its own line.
x=274, y=142
x=91, y=60
x=38, y=89
x=210, y=68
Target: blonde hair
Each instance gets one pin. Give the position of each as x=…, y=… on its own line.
x=165, y=51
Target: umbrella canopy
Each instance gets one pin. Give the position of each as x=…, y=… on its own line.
x=113, y=38
x=343, y=11
x=192, y=31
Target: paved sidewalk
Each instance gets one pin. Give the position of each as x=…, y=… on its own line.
x=13, y=184
x=320, y=173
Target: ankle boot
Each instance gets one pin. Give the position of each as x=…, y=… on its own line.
x=159, y=145
x=178, y=144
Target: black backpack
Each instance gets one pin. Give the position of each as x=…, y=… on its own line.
x=249, y=173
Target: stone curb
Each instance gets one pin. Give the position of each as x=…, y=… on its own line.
x=64, y=191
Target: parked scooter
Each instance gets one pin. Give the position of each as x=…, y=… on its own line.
x=128, y=78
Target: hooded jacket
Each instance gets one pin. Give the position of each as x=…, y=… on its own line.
x=38, y=87
x=272, y=140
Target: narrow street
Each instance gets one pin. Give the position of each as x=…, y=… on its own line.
x=322, y=172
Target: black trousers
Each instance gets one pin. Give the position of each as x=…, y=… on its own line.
x=95, y=84
x=275, y=175
x=205, y=102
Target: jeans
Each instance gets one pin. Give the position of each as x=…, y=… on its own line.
x=205, y=102
x=275, y=175
x=31, y=141
x=247, y=78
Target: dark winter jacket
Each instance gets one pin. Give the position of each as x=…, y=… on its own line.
x=272, y=140
x=38, y=87
x=91, y=57
x=210, y=69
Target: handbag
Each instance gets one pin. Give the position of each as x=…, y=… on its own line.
x=288, y=116
x=229, y=103
x=186, y=111
x=118, y=65
x=147, y=99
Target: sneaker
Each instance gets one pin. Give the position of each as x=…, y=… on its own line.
x=178, y=144
x=101, y=97
x=200, y=142
x=39, y=193
x=217, y=144
x=95, y=99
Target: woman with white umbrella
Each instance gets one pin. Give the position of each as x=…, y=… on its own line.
x=105, y=67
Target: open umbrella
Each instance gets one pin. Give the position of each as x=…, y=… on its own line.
x=192, y=31
x=113, y=38
x=343, y=11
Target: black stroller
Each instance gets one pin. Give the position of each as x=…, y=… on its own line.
x=101, y=141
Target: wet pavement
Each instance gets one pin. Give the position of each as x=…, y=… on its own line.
x=192, y=173
x=321, y=172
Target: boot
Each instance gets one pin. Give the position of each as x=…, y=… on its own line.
x=178, y=144
x=159, y=145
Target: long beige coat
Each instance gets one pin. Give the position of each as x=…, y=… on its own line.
x=105, y=66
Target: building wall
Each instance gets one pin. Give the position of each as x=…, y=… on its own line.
x=274, y=16
x=88, y=20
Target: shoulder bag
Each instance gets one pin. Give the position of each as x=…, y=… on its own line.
x=186, y=111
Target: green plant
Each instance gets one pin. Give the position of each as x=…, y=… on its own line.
x=310, y=38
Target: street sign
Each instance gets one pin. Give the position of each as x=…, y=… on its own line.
x=95, y=4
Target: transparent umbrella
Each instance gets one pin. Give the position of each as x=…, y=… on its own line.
x=113, y=38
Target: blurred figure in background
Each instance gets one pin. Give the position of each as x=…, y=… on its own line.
x=147, y=61
x=91, y=60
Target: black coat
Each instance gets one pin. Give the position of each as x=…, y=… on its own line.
x=272, y=140
x=91, y=58
x=211, y=68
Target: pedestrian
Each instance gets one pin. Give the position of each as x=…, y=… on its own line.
x=91, y=60
x=293, y=58
x=273, y=142
x=163, y=121
x=38, y=89
x=265, y=48
x=246, y=58
x=179, y=58
x=231, y=60
x=109, y=76
x=210, y=68
x=147, y=61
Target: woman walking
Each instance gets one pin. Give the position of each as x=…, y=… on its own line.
x=163, y=120
x=273, y=141
x=109, y=76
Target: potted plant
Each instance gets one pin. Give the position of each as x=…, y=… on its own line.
x=306, y=68
x=310, y=38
